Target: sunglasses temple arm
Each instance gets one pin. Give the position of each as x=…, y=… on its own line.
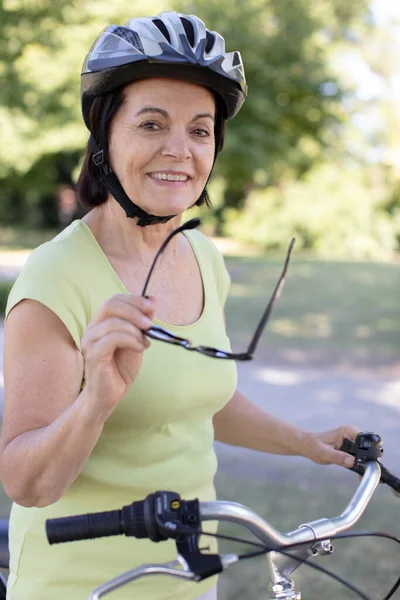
x=275, y=296
x=160, y=251
x=188, y=225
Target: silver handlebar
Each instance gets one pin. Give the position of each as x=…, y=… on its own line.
x=237, y=513
x=281, y=566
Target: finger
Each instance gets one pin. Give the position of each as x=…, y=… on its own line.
x=126, y=311
x=337, y=457
x=125, y=306
x=103, y=350
x=349, y=431
x=113, y=324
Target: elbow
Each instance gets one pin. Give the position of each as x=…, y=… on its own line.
x=21, y=490
x=25, y=496
x=16, y=493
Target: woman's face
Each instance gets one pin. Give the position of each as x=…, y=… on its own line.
x=162, y=144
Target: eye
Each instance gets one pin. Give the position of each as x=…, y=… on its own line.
x=201, y=132
x=150, y=126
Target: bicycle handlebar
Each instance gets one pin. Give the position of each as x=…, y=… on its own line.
x=164, y=515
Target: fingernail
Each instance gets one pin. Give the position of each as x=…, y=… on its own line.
x=349, y=462
x=147, y=302
x=147, y=323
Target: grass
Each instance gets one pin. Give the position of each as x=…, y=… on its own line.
x=20, y=238
x=5, y=288
x=329, y=312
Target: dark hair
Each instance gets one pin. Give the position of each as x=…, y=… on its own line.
x=90, y=191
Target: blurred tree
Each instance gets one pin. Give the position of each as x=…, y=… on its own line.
x=292, y=114
x=294, y=98
x=40, y=122
x=335, y=210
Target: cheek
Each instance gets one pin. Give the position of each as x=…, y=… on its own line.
x=207, y=159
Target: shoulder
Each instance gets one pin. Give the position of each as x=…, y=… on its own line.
x=63, y=257
x=209, y=254
x=54, y=275
x=204, y=245
x=65, y=248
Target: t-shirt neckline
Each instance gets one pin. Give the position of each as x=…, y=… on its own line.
x=121, y=285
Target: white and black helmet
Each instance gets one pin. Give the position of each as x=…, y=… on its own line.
x=170, y=44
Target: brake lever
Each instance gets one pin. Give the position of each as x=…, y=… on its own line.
x=368, y=446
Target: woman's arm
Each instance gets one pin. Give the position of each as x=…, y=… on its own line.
x=47, y=432
x=243, y=423
x=50, y=427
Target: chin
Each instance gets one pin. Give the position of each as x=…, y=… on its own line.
x=169, y=208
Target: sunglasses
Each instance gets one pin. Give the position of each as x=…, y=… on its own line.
x=163, y=335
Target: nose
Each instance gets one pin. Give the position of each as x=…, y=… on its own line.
x=177, y=144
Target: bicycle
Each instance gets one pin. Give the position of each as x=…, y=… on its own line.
x=165, y=515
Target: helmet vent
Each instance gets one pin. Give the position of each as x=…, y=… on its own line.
x=161, y=26
x=236, y=60
x=210, y=41
x=189, y=30
x=130, y=36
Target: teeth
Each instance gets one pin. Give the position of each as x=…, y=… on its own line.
x=167, y=177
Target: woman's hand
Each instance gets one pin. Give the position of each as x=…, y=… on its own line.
x=113, y=346
x=323, y=448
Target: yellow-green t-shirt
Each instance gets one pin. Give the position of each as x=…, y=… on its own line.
x=160, y=436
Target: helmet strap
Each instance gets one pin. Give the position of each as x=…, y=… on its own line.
x=111, y=183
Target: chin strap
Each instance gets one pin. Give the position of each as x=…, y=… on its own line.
x=111, y=183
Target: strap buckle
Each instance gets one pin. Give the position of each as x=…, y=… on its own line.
x=99, y=158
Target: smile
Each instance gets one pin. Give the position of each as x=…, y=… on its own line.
x=169, y=176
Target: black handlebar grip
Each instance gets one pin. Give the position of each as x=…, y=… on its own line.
x=390, y=479
x=84, y=527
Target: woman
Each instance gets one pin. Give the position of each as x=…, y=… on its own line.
x=96, y=417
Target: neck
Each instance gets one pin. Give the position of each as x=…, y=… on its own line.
x=123, y=240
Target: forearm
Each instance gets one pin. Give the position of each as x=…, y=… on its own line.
x=243, y=423
x=39, y=465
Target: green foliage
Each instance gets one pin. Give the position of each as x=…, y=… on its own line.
x=336, y=212
x=5, y=288
x=40, y=121
x=293, y=114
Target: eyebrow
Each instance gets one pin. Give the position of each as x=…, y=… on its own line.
x=161, y=111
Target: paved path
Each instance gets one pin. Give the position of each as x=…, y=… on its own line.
x=11, y=263
x=319, y=400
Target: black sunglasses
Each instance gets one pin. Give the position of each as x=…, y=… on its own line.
x=163, y=335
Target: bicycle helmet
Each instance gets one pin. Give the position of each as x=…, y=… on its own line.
x=168, y=45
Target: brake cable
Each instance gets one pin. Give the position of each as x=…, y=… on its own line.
x=264, y=549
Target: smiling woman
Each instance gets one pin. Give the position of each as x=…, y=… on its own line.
x=93, y=413
x=163, y=155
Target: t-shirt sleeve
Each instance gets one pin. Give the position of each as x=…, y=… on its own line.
x=222, y=277
x=224, y=284
x=49, y=277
